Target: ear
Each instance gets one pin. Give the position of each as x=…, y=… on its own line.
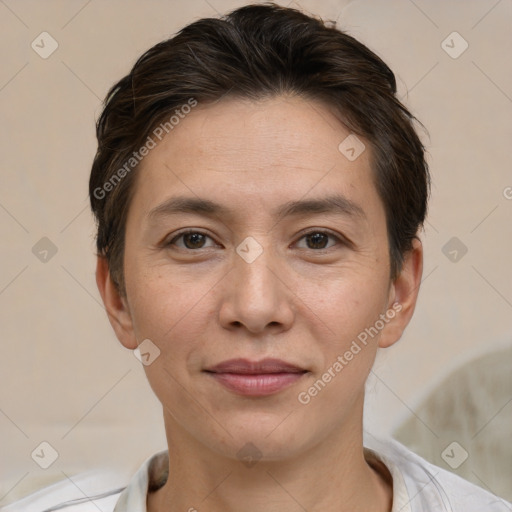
x=403, y=294
x=116, y=305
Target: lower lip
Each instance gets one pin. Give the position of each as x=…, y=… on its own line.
x=256, y=385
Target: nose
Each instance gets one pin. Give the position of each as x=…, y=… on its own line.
x=256, y=296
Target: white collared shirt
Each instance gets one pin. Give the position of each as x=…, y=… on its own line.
x=418, y=486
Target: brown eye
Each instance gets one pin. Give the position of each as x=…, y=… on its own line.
x=191, y=240
x=318, y=240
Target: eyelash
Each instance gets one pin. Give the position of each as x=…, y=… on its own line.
x=337, y=238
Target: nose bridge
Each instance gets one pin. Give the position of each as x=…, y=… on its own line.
x=254, y=264
x=257, y=297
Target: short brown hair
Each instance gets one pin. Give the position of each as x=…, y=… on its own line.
x=260, y=51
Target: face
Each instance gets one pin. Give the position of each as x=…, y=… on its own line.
x=256, y=262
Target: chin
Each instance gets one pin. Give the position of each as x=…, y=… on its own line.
x=266, y=439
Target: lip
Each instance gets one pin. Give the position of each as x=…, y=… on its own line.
x=256, y=378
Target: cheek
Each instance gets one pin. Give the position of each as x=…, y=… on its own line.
x=350, y=310
x=171, y=312
x=349, y=305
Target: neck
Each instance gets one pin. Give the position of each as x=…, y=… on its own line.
x=332, y=476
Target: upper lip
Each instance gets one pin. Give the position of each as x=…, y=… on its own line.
x=246, y=366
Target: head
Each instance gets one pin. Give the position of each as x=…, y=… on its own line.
x=302, y=185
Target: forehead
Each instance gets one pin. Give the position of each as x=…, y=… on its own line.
x=263, y=151
x=279, y=130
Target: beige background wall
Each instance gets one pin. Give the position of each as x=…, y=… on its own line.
x=65, y=378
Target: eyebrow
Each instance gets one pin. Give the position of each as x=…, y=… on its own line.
x=333, y=204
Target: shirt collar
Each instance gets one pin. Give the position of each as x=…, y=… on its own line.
x=154, y=471
x=150, y=476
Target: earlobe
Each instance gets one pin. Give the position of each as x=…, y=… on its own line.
x=116, y=305
x=403, y=295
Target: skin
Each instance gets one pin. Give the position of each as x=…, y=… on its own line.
x=201, y=303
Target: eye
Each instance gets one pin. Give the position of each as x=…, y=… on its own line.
x=191, y=240
x=318, y=240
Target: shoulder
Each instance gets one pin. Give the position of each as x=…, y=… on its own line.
x=430, y=487
x=76, y=494
x=104, y=490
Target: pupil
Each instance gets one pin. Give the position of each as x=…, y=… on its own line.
x=317, y=238
x=195, y=239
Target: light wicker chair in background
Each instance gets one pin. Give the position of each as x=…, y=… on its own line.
x=465, y=423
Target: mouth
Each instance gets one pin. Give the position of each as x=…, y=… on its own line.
x=256, y=378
